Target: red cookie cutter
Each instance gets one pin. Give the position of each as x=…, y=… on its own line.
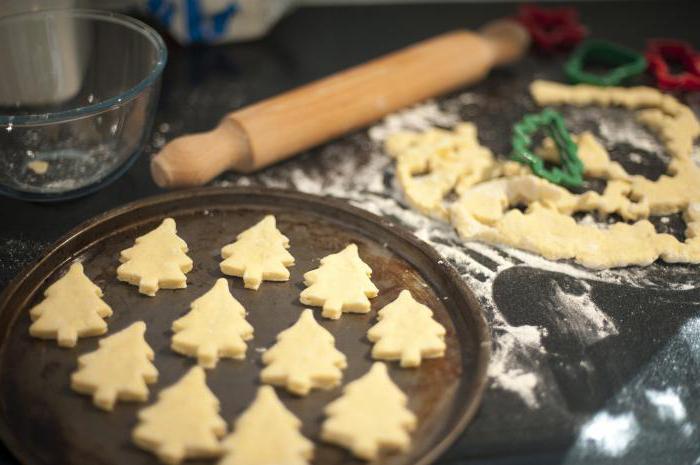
x=552, y=29
x=661, y=50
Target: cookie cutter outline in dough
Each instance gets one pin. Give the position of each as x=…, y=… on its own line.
x=626, y=63
x=571, y=173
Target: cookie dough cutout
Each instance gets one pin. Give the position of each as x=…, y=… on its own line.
x=430, y=164
x=304, y=358
x=184, y=423
x=215, y=327
x=266, y=419
x=158, y=260
x=120, y=369
x=406, y=331
x=341, y=284
x=72, y=308
x=370, y=416
x=259, y=254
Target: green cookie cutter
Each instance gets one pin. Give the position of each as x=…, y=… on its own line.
x=626, y=62
x=571, y=173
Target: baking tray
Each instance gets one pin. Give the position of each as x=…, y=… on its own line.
x=43, y=421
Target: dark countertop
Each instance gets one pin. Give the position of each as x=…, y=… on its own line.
x=657, y=341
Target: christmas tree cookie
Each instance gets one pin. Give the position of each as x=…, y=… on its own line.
x=215, y=327
x=304, y=358
x=406, y=331
x=184, y=422
x=120, y=368
x=259, y=254
x=157, y=260
x=341, y=284
x=72, y=308
x=370, y=416
x=266, y=434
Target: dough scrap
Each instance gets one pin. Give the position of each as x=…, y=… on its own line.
x=266, y=419
x=487, y=211
x=72, y=308
x=215, y=327
x=341, y=284
x=406, y=331
x=38, y=166
x=674, y=123
x=304, y=358
x=557, y=236
x=371, y=415
x=120, y=368
x=596, y=160
x=183, y=423
x=259, y=254
x=157, y=260
x=431, y=164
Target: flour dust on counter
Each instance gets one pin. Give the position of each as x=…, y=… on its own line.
x=15, y=254
x=661, y=392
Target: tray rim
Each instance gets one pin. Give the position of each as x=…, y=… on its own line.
x=483, y=330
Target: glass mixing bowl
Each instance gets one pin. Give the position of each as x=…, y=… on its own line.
x=78, y=94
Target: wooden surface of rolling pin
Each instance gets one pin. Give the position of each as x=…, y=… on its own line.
x=279, y=127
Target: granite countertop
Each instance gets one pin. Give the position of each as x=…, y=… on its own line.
x=588, y=367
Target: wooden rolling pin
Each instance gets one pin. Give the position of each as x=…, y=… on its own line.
x=279, y=127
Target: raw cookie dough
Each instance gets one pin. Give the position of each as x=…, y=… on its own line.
x=266, y=420
x=557, y=236
x=341, y=284
x=259, y=254
x=38, y=166
x=184, y=422
x=120, y=368
x=674, y=122
x=72, y=308
x=157, y=260
x=431, y=164
x=596, y=160
x=304, y=358
x=371, y=415
x=487, y=211
x=215, y=327
x=406, y=331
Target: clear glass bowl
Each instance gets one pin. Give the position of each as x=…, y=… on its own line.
x=78, y=93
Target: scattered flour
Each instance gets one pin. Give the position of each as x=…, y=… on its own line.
x=581, y=317
x=608, y=434
x=502, y=369
x=669, y=405
x=417, y=118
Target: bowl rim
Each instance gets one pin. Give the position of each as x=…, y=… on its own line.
x=103, y=105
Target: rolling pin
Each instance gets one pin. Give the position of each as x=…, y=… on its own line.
x=279, y=127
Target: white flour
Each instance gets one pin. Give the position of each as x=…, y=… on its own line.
x=608, y=434
x=669, y=406
x=580, y=316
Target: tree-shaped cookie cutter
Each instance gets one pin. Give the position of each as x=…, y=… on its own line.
x=625, y=62
x=571, y=173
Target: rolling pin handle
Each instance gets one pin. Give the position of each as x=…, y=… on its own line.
x=509, y=39
x=179, y=163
